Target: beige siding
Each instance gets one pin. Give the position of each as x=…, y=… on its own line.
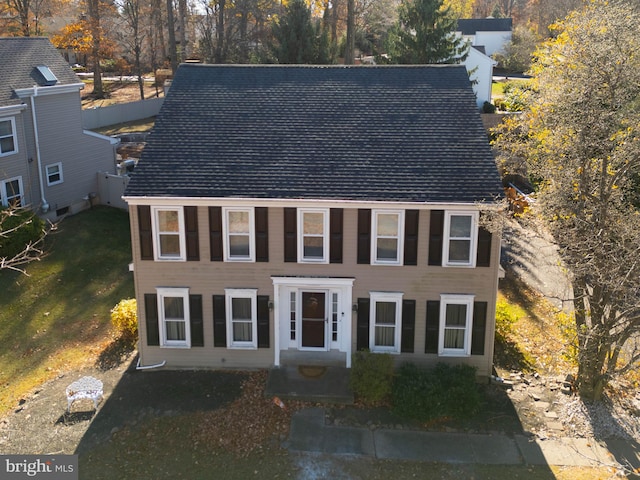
x=420, y=283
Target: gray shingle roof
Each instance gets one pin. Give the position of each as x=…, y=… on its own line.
x=389, y=133
x=20, y=56
x=469, y=26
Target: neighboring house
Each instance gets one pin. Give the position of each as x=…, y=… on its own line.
x=294, y=213
x=480, y=68
x=486, y=36
x=491, y=33
x=47, y=161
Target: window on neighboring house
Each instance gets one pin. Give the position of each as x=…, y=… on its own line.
x=11, y=192
x=461, y=232
x=456, y=317
x=169, y=234
x=173, y=317
x=313, y=235
x=239, y=237
x=385, y=314
x=387, y=242
x=242, y=318
x=54, y=174
x=8, y=138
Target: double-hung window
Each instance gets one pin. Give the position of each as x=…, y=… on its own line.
x=240, y=237
x=54, y=174
x=456, y=317
x=11, y=192
x=242, y=318
x=387, y=241
x=461, y=233
x=385, y=318
x=313, y=235
x=169, y=234
x=8, y=138
x=173, y=316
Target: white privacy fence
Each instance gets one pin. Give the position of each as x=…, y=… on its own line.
x=98, y=117
x=111, y=188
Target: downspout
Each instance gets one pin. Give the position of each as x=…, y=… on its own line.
x=45, y=204
x=148, y=367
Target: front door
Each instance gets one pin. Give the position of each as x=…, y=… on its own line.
x=314, y=320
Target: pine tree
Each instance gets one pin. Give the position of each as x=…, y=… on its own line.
x=294, y=35
x=425, y=34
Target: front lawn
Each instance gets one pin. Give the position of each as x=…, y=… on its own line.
x=56, y=318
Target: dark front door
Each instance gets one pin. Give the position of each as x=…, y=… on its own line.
x=314, y=319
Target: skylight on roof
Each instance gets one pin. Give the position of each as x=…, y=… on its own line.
x=48, y=76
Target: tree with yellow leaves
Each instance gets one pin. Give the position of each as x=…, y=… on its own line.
x=580, y=139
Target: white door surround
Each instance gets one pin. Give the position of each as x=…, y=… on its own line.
x=325, y=326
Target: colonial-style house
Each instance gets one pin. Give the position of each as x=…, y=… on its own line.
x=47, y=161
x=282, y=213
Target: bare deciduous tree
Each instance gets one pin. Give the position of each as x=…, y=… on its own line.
x=22, y=236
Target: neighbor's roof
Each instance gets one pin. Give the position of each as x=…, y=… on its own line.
x=388, y=133
x=469, y=26
x=20, y=57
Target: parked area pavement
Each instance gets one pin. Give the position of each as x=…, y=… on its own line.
x=310, y=433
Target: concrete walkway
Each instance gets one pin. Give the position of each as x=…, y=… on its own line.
x=309, y=433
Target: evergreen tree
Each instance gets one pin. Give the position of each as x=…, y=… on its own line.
x=425, y=34
x=297, y=39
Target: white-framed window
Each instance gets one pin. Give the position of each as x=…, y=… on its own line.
x=387, y=237
x=173, y=317
x=456, y=321
x=242, y=318
x=169, y=235
x=313, y=235
x=385, y=316
x=54, y=174
x=239, y=234
x=11, y=192
x=8, y=137
x=460, y=242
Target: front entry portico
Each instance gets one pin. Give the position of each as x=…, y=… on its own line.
x=312, y=315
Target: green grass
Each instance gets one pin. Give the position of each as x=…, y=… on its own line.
x=56, y=317
x=136, y=126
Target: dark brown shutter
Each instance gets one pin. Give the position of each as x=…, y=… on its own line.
x=483, y=259
x=362, y=324
x=364, y=236
x=151, y=318
x=411, y=237
x=262, y=234
x=196, y=320
x=335, y=235
x=215, y=233
x=146, y=234
x=408, y=326
x=219, y=321
x=191, y=229
x=263, y=321
x=433, y=327
x=290, y=234
x=436, y=230
x=479, y=328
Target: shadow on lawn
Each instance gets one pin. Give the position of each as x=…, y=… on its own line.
x=141, y=395
x=114, y=354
